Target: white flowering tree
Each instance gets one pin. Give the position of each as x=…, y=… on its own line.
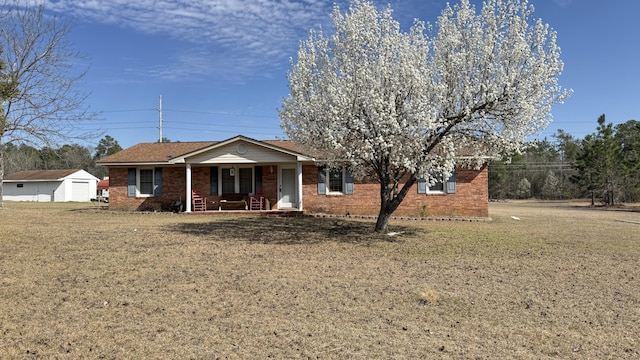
x=399, y=106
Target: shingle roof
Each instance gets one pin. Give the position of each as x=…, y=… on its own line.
x=163, y=152
x=155, y=152
x=285, y=144
x=40, y=174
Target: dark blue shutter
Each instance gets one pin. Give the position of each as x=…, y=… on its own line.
x=213, y=180
x=257, y=171
x=348, y=182
x=131, y=184
x=322, y=182
x=451, y=183
x=157, y=182
x=422, y=186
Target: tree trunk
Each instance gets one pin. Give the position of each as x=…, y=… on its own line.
x=390, y=199
x=383, y=220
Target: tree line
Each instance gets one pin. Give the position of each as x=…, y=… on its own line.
x=604, y=166
x=69, y=156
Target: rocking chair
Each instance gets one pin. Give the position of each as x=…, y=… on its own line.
x=199, y=203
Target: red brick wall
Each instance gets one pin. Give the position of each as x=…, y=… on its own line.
x=270, y=185
x=470, y=199
x=173, y=189
x=174, y=186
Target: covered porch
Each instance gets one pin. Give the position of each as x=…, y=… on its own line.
x=243, y=175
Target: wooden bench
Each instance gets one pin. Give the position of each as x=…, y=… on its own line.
x=233, y=202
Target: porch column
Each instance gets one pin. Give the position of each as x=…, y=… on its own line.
x=299, y=187
x=188, y=197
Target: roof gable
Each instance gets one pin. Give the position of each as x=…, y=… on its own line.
x=279, y=146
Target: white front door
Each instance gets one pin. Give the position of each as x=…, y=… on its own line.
x=288, y=198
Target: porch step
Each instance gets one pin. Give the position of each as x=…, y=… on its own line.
x=276, y=213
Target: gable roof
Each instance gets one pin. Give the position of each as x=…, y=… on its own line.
x=282, y=146
x=163, y=153
x=285, y=144
x=154, y=152
x=176, y=152
x=40, y=175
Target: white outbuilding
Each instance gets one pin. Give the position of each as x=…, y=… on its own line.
x=50, y=185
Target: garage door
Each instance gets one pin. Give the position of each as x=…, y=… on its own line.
x=80, y=191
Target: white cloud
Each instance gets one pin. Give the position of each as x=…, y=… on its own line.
x=246, y=30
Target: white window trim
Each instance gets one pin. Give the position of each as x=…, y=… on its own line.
x=153, y=179
x=444, y=186
x=328, y=181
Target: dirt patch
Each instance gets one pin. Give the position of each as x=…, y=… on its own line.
x=79, y=282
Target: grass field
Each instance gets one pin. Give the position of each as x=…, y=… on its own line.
x=76, y=281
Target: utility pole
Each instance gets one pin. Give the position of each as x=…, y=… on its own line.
x=160, y=127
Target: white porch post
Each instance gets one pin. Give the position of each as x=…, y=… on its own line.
x=188, y=197
x=299, y=187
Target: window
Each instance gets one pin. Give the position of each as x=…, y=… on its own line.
x=144, y=182
x=336, y=179
x=245, y=180
x=440, y=187
x=235, y=180
x=228, y=181
x=340, y=180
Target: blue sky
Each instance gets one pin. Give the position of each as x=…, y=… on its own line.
x=220, y=65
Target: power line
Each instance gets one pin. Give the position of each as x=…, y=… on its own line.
x=222, y=113
x=127, y=110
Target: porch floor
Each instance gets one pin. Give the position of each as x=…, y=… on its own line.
x=277, y=213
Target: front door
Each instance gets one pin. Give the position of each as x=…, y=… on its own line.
x=288, y=188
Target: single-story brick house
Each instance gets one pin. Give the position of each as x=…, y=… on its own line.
x=156, y=175
x=49, y=185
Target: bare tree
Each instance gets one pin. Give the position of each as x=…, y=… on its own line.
x=40, y=103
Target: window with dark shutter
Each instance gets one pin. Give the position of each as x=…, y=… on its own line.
x=322, y=182
x=348, y=182
x=422, y=186
x=451, y=183
x=131, y=183
x=258, y=179
x=213, y=180
x=146, y=181
x=157, y=182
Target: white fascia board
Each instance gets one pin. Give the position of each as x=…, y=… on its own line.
x=305, y=158
x=484, y=157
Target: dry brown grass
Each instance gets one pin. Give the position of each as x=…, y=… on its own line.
x=79, y=282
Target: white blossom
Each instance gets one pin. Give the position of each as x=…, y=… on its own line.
x=391, y=103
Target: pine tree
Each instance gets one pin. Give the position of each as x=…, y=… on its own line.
x=600, y=164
